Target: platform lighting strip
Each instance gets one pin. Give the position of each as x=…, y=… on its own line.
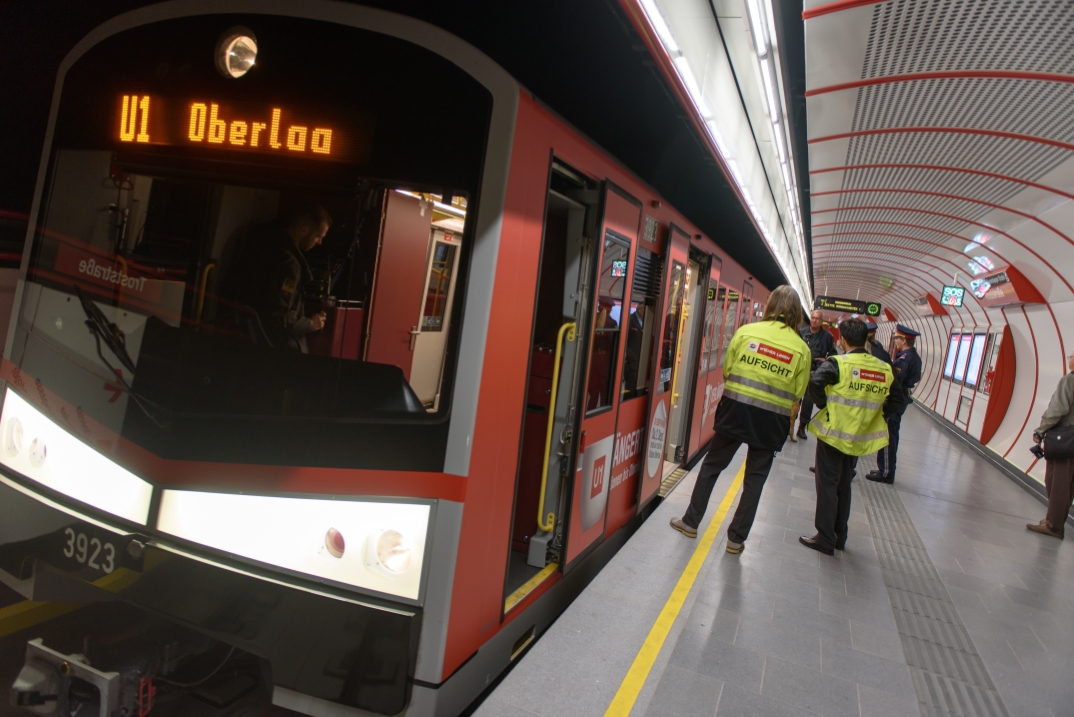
x=765, y=43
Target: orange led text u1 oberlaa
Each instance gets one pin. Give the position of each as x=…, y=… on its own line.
x=207, y=125
x=134, y=119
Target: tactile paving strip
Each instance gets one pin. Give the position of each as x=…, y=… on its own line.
x=948, y=674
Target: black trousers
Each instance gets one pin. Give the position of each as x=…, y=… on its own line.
x=834, y=472
x=885, y=457
x=806, y=412
x=758, y=463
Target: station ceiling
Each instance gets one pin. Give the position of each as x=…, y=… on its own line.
x=941, y=147
x=582, y=59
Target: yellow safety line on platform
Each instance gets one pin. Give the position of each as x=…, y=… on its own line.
x=635, y=678
x=519, y=595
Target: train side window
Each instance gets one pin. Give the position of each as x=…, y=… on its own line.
x=644, y=295
x=669, y=345
x=729, y=320
x=717, y=327
x=608, y=322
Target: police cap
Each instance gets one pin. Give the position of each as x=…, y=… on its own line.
x=903, y=331
x=870, y=326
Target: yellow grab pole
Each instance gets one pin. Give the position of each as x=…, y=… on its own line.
x=569, y=329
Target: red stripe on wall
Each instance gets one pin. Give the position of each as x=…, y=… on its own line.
x=946, y=130
x=941, y=168
x=946, y=75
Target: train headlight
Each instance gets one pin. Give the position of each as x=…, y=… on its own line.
x=309, y=535
x=13, y=435
x=388, y=551
x=236, y=52
x=58, y=460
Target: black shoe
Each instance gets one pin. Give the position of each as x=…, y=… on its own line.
x=841, y=544
x=802, y=433
x=815, y=545
x=878, y=477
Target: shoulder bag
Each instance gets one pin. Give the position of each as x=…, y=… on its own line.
x=1058, y=443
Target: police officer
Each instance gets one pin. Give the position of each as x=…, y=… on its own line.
x=821, y=345
x=873, y=346
x=766, y=369
x=856, y=392
x=907, y=368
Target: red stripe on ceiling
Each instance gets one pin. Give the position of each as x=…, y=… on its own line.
x=941, y=168
x=946, y=75
x=946, y=130
x=1041, y=259
x=835, y=7
x=944, y=195
x=903, y=236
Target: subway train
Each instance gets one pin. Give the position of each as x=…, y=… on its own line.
x=521, y=342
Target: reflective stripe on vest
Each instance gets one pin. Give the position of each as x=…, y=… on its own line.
x=766, y=363
x=751, y=401
x=853, y=421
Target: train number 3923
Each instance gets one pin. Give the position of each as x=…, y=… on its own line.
x=89, y=551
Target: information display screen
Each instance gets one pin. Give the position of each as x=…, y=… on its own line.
x=213, y=124
x=952, y=353
x=964, y=343
x=952, y=296
x=849, y=306
x=973, y=371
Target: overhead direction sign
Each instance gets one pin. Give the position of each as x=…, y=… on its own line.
x=850, y=306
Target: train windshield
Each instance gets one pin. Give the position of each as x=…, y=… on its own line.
x=268, y=269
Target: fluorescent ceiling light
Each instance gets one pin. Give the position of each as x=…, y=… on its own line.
x=758, y=27
x=661, y=27
x=687, y=75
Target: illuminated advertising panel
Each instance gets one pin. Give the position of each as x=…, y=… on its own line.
x=973, y=372
x=952, y=353
x=963, y=357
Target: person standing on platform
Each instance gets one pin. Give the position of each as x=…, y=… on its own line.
x=873, y=346
x=1059, y=472
x=821, y=345
x=907, y=368
x=765, y=369
x=856, y=392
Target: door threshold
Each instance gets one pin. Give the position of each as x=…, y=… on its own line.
x=532, y=584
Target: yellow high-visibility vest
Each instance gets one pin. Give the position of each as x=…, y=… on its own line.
x=767, y=365
x=854, y=421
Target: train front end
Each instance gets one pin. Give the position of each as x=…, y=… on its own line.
x=239, y=393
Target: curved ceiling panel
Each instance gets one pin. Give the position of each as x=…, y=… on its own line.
x=941, y=149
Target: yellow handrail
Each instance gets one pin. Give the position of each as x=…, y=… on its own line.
x=569, y=329
x=684, y=309
x=201, y=290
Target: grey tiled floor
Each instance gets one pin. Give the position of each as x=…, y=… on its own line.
x=782, y=630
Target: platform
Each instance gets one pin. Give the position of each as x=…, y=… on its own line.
x=943, y=603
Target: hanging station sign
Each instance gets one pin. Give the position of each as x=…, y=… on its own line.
x=848, y=306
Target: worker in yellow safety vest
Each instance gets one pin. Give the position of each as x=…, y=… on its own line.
x=856, y=393
x=765, y=369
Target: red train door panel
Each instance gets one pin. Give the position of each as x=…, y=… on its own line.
x=700, y=427
x=398, y=294
x=596, y=442
x=666, y=352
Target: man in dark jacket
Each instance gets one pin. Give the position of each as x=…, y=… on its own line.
x=272, y=276
x=822, y=345
x=873, y=346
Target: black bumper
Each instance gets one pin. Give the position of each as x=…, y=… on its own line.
x=318, y=640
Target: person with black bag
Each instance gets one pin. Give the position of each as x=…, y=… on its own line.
x=1056, y=433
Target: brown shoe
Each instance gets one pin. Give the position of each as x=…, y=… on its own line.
x=1042, y=527
x=683, y=528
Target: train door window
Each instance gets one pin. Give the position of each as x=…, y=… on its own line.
x=706, y=337
x=717, y=327
x=746, y=303
x=670, y=343
x=644, y=298
x=430, y=341
x=604, y=349
x=685, y=374
x=730, y=319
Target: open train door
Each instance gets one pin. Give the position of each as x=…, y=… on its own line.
x=667, y=352
x=605, y=316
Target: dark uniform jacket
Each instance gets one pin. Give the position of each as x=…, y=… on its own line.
x=271, y=280
x=878, y=351
x=907, y=369
x=821, y=343
x=828, y=375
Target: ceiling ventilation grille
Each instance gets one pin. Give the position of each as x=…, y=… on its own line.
x=1023, y=35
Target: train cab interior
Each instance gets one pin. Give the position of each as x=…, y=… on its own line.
x=171, y=274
